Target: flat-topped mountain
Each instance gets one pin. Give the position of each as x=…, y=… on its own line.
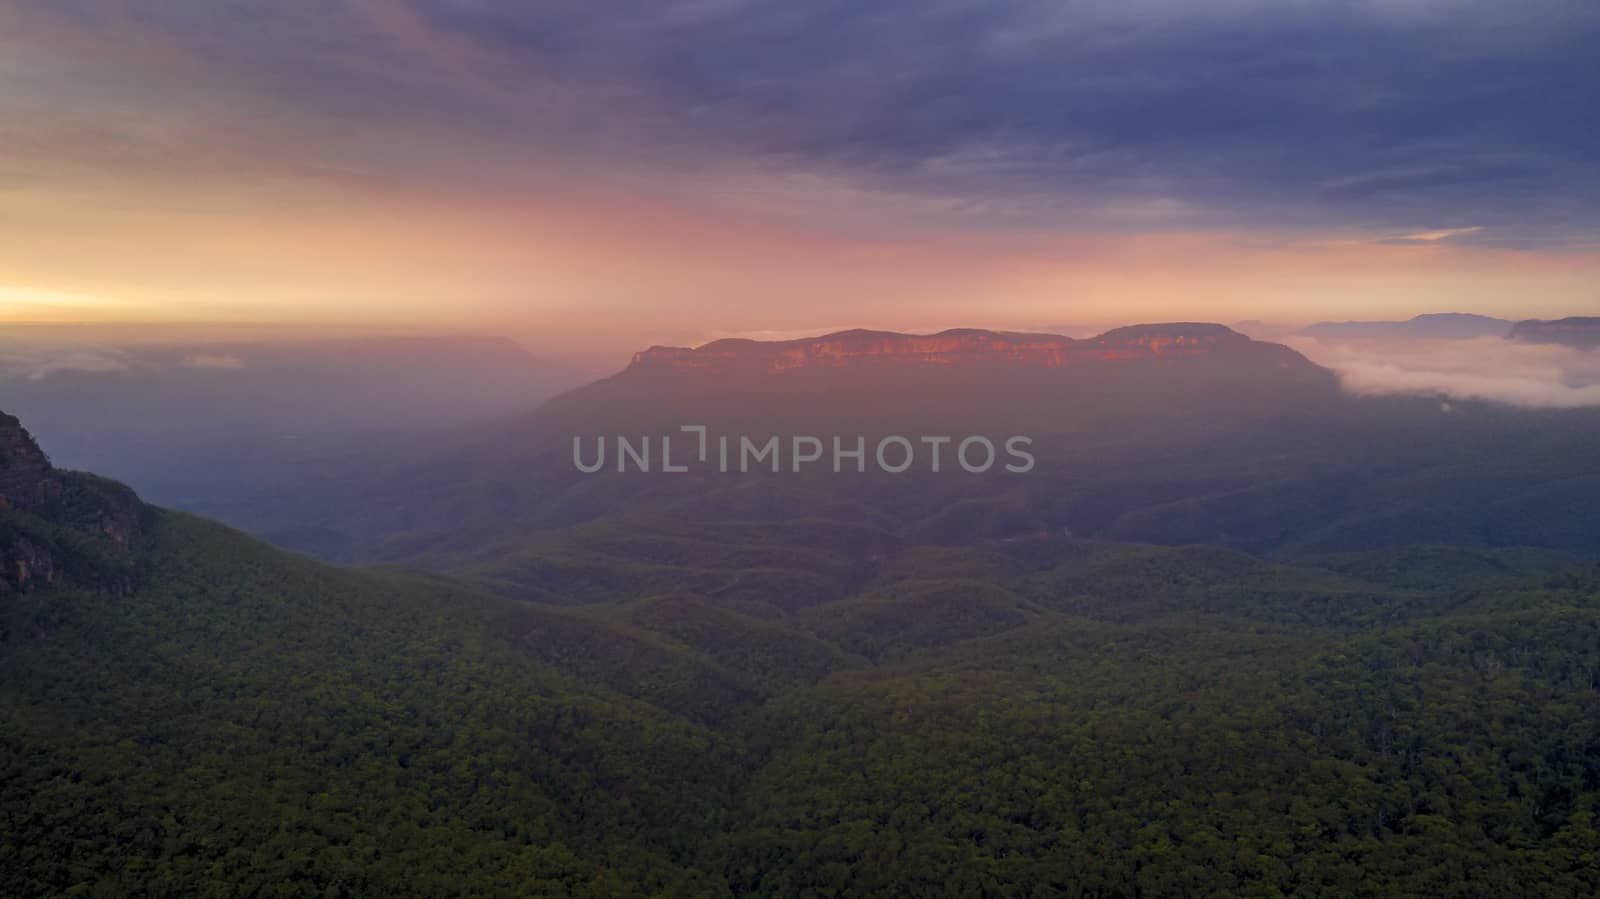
x=1578, y=331
x=1170, y=433
x=955, y=347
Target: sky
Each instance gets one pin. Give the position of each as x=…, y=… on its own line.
x=612, y=175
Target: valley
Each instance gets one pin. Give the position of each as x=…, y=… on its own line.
x=696, y=685
x=690, y=449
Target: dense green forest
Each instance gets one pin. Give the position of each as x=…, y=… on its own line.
x=802, y=709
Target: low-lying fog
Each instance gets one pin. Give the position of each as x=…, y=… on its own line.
x=1485, y=368
x=186, y=422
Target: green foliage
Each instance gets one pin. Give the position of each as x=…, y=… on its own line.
x=772, y=656
x=249, y=723
x=1038, y=717
x=84, y=530
x=763, y=569
x=919, y=614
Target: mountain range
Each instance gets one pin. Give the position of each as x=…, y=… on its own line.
x=1433, y=326
x=1582, y=332
x=1167, y=434
x=1576, y=331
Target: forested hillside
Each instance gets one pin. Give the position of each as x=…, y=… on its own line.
x=1034, y=718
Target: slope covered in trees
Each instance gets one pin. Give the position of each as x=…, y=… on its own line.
x=1087, y=719
x=770, y=705
x=248, y=723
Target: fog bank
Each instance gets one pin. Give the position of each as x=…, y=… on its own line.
x=1489, y=368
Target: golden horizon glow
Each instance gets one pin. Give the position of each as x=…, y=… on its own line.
x=592, y=266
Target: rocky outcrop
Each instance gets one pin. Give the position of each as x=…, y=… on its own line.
x=1582, y=332
x=26, y=477
x=961, y=347
x=55, y=524
x=26, y=565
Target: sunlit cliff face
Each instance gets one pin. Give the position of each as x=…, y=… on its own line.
x=945, y=349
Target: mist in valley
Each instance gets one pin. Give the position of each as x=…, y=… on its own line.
x=1489, y=369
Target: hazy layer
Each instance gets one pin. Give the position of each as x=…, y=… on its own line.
x=1480, y=369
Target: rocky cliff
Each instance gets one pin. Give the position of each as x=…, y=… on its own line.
x=56, y=524
x=26, y=477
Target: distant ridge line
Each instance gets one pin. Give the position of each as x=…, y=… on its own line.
x=954, y=346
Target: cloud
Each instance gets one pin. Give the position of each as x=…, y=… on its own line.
x=39, y=364
x=1407, y=117
x=224, y=361
x=1438, y=235
x=1490, y=369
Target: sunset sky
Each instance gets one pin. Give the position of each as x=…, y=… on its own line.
x=634, y=172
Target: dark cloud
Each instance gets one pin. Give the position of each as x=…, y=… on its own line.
x=1384, y=115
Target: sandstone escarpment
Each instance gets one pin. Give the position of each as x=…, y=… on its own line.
x=56, y=524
